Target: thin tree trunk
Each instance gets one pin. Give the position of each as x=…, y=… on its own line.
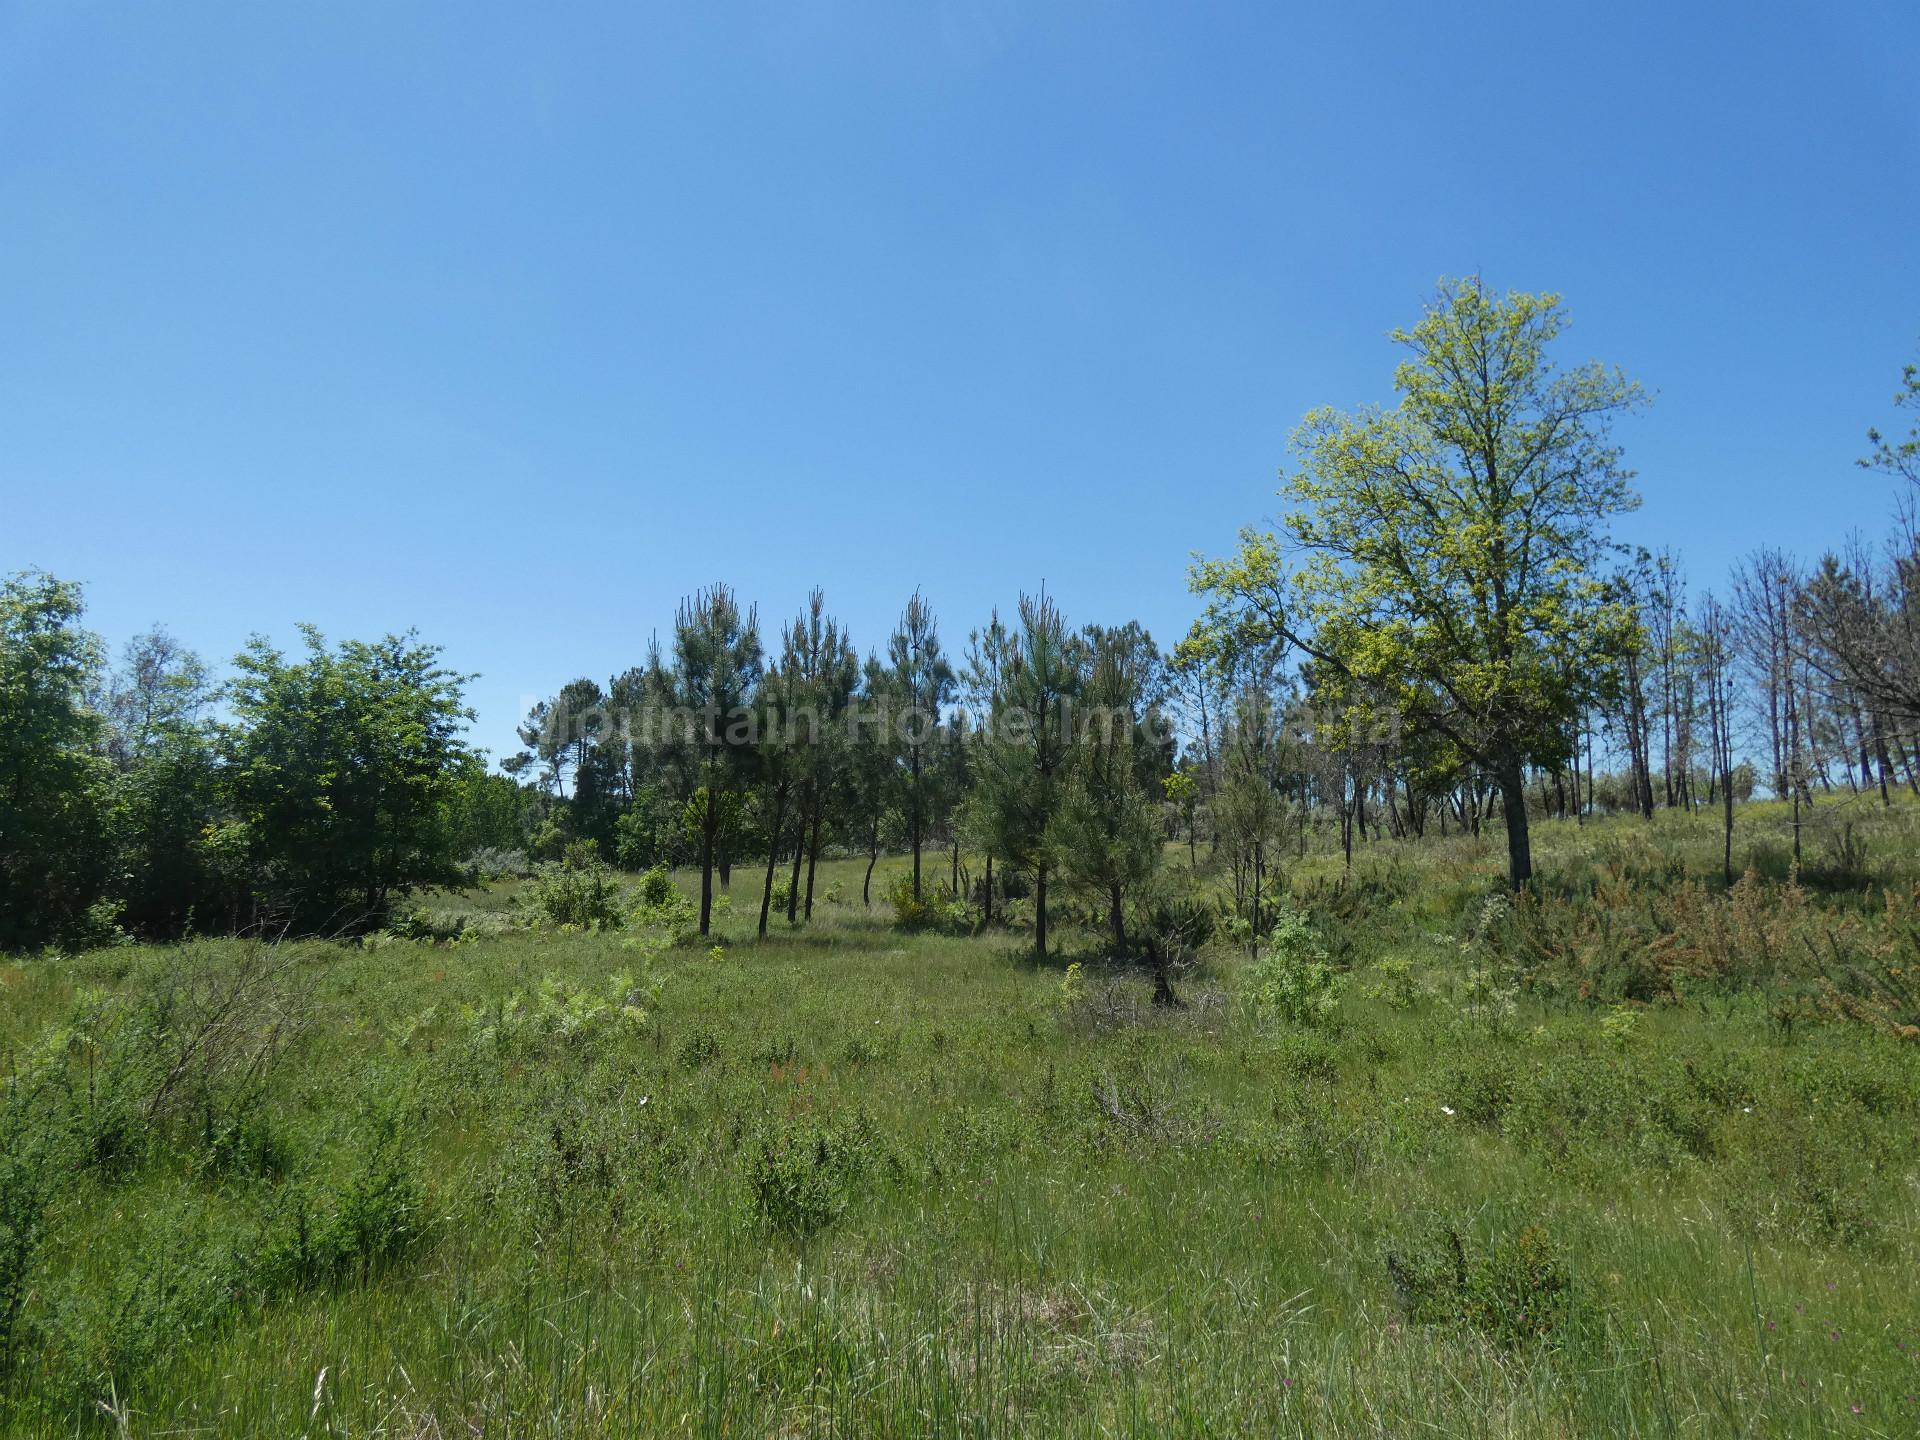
x=708, y=824
x=773, y=855
x=916, y=824
x=1259, y=880
x=813, y=856
x=1040, y=911
x=793, y=879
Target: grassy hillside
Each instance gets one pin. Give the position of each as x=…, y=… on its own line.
x=1637, y=1159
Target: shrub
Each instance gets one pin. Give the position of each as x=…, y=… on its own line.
x=578, y=889
x=373, y=1217
x=1518, y=1290
x=660, y=905
x=1394, y=982
x=1619, y=1025
x=381, y=1214
x=803, y=1179
x=1309, y=1058
x=26, y=1183
x=1173, y=928
x=937, y=908
x=657, y=888
x=1292, y=981
x=176, y=1283
x=1481, y=1087
x=700, y=1046
x=493, y=862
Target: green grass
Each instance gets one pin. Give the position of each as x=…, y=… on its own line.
x=856, y=1182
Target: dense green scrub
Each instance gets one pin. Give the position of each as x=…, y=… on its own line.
x=1502, y=1173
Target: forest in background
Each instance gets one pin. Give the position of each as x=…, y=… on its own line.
x=1443, y=637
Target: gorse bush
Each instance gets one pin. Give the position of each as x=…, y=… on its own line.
x=938, y=908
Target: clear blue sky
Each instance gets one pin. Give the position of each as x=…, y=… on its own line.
x=515, y=323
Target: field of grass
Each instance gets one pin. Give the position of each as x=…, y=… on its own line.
x=1637, y=1159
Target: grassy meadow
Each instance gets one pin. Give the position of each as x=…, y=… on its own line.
x=1636, y=1158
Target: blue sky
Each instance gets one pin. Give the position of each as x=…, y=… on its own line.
x=516, y=323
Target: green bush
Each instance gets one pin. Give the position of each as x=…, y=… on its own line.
x=938, y=908
x=803, y=1178
x=1293, y=981
x=1517, y=1289
x=578, y=890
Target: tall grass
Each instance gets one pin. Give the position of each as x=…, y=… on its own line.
x=1538, y=1170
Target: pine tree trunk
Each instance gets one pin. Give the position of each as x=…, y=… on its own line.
x=1040, y=911
x=793, y=883
x=915, y=813
x=708, y=824
x=1259, y=880
x=773, y=856
x=813, y=856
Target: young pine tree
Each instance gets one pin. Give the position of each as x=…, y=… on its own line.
x=717, y=664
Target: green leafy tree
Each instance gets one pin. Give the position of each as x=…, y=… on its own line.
x=340, y=766
x=1450, y=549
x=159, y=688
x=487, y=811
x=54, y=782
x=167, y=795
x=649, y=832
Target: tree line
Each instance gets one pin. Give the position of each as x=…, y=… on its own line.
x=1443, y=634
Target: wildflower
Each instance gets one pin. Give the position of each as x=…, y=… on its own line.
x=1446, y=1110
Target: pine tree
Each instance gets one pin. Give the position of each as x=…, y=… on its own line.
x=717, y=665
